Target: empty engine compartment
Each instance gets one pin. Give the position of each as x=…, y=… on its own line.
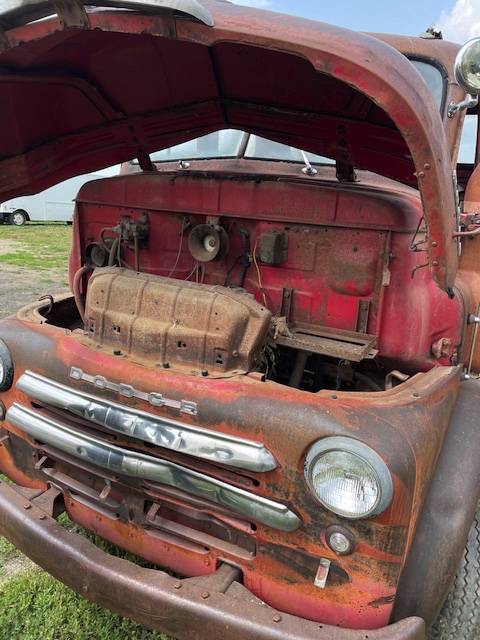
x=330, y=264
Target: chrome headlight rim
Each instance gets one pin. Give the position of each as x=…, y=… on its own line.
x=6, y=367
x=368, y=456
x=459, y=68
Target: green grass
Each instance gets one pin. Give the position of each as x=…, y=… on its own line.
x=36, y=245
x=35, y=606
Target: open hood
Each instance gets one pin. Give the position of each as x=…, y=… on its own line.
x=86, y=89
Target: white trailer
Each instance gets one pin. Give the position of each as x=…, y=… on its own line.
x=53, y=204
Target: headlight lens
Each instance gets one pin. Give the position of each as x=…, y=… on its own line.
x=348, y=478
x=467, y=66
x=6, y=367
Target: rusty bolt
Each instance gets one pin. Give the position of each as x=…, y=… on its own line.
x=435, y=263
x=434, y=244
x=277, y=618
x=27, y=506
x=177, y=585
x=427, y=166
x=421, y=174
x=42, y=516
x=205, y=595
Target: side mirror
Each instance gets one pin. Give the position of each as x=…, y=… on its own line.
x=467, y=73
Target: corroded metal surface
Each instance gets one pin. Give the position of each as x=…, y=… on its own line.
x=447, y=516
x=333, y=67
x=215, y=607
x=361, y=587
x=198, y=328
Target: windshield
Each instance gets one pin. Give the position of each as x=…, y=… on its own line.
x=230, y=143
x=264, y=149
x=221, y=144
x=433, y=78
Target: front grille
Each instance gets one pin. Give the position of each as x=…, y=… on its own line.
x=82, y=446
x=159, y=431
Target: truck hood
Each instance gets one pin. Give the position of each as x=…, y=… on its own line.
x=85, y=89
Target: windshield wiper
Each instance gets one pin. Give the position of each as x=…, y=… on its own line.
x=308, y=169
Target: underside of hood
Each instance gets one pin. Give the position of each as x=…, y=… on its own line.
x=87, y=89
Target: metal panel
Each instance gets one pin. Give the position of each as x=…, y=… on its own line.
x=202, y=329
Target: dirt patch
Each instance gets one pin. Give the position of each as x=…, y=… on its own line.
x=8, y=246
x=19, y=286
x=15, y=566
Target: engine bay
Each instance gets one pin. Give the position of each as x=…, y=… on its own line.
x=294, y=282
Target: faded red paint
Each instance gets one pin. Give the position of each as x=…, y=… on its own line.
x=345, y=246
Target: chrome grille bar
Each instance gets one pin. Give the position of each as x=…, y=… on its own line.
x=163, y=432
x=137, y=465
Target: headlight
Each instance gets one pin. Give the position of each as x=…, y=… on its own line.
x=467, y=66
x=348, y=478
x=6, y=367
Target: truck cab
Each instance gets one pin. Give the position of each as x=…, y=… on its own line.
x=264, y=378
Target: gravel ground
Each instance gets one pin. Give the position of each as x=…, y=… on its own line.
x=20, y=286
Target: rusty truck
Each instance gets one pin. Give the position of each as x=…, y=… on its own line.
x=264, y=380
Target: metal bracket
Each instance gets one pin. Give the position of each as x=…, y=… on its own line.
x=345, y=171
x=4, y=43
x=145, y=162
x=472, y=320
x=71, y=13
x=468, y=103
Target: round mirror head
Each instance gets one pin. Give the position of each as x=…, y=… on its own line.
x=467, y=67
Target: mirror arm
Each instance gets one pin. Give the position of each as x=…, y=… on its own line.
x=469, y=102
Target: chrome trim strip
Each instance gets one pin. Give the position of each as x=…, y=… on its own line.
x=14, y=13
x=127, y=391
x=163, y=432
x=138, y=465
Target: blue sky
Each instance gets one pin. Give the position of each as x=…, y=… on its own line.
x=460, y=19
x=407, y=16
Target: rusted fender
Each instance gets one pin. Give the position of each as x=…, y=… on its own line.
x=447, y=515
